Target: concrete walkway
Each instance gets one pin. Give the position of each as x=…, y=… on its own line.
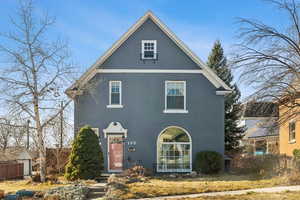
x=236, y=192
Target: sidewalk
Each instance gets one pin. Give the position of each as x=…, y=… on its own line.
x=236, y=192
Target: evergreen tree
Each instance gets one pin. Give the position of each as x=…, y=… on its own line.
x=233, y=108
x=86, y=158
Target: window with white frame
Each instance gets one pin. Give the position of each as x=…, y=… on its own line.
x=175, y=95
x=115, y=93
x=292, y=131
x=174, y=150
x=149, y=49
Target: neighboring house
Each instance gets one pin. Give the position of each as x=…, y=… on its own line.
x=289, y=129
x=19, y=155
x=262, y=135
x=152, y=101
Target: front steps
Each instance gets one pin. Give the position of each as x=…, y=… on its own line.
x=97, y=191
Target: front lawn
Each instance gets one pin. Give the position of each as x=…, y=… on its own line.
x=15, y=185
x=178, y=186
x=251, y=196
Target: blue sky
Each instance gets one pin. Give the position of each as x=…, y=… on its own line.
x=91, y=26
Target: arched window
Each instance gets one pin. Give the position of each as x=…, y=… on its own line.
x=174, y=150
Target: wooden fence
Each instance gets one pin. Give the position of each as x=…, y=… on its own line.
x=11, y=171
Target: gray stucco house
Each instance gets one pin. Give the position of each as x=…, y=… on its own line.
x=151, y=100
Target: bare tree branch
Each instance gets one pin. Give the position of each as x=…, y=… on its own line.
x=269, y=58
x=35, y=74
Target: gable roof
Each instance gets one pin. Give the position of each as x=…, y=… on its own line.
x=15, y=153
x=207, y=72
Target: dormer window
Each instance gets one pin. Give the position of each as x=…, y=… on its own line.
x=149, y=49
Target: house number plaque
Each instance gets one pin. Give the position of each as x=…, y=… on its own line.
x=131, y=142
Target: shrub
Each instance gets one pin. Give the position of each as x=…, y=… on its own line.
x=137, y=171
x=86, y=158
x=263, y=165
x=293, y=178
x=209, y=162
x=296, y=154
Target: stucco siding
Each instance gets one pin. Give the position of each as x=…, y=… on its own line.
x=286, y=116
x=170, y=56
x=143, y=97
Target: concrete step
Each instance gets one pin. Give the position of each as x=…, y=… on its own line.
x=97, y=189
x=95, y=195
x=101, y=179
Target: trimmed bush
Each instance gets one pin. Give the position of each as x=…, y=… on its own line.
x=86, y=158
x=209, y=162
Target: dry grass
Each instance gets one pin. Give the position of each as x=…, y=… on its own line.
x=159, y=187
x=13, y=186
x=252, y=196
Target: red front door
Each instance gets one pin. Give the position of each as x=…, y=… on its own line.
x=115, y=151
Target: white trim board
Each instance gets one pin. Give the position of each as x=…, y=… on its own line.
x=208, y=73
x=146, y=71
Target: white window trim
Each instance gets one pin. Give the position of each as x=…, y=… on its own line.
x=157, y=152
x=184, y=110
x=293, y=140
x=115, y=105
x=155, y=49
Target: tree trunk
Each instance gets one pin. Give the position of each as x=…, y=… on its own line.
x=42, y=155
x=41, y=145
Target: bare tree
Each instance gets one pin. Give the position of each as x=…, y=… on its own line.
x=60, y=132
x=18, y=135
x=269, y=58
x=5, y=134
x=35, y=72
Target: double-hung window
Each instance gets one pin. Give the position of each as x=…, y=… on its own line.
x=175, y=97
x=149, y=49
x=115, y=94
x=292, y=131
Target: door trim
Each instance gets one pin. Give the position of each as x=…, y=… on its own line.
x=108, y=166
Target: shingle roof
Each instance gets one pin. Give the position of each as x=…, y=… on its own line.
x=260, y=109
x=4, y=157
x=12, y=154
x=262, y=128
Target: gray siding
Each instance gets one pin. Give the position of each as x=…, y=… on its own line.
x=142, y=115
x=170, y=55
x=143, y=97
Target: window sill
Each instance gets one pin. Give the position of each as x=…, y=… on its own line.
x=292, y=141
x=176, y=111
x=114, y=106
